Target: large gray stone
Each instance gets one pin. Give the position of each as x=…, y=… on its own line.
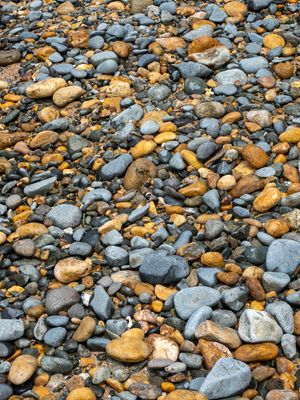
x=283, y=313
x=65, y=216
x=227, y=378
x=259, y=326
x=188, y=300
x=283, y=256
x=11, y=329
x=41, y=187
x=61, y=299
x=56, y=365
x=159, y=268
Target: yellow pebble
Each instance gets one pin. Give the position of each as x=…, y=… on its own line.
x=167, y=387
x=280, y=158
x=257, y=305
x=191, y=159
x=143, y=148
x=157, y=306
x=165, y=137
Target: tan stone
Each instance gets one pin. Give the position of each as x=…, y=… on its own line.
x=291, y=135
x=247, y=184
x=163, y=292
x=130, y=347
x=235, y=9
x=256, y=352
x=181, y=394
x=272, y=40
x=267, y=199
x=122, y=49
x=138, y=6
x=44, y=52
x=202, y=43
x=81, y=393
x=277, y=227
x=212, y=259
x=118, y=88
x=31, y=229
x=284, y=394
x=85, y=330
x=263, y=372
x=48, y=114
x=7, y=139
x=297, y=323
x=226, y=182
x=138, y=173
x=43, y=138
x=163, y=347
x=45, y=88
x=284, y=70
x=143, y=148
x=66, y=95
x=65, y=8
x=171, y=43
x=212, y=352
x=78, y=38
x=72, y=269
x=231, y=117
x=255, y=156
x=56, y=158
x=256, y=290
x=191, y=158
x=291, y=173
x=211, y=331
x=22, y=369
x=194, y=189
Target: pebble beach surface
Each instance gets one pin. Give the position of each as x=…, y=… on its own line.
x=149, y=200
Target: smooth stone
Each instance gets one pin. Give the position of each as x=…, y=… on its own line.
x=11, y=329
x=253, y=64
x=283, y=256
x=258, y=326
x=283, y=313
x=227, y=378
x=41, y=187
x=275, y=281
x=56, y=365
x=116, y=256
x=159, y=268
x=65, y=216
x=60, y=299
x=54, y=337
x=198, y=316
x=116, y=167
x=188, y=300
x=22, y=369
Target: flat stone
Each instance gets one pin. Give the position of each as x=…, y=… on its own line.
x=188, y=300
x=159, y=268
x=65, y=216
x=227, y=378
x=283, y=256
x=258, y=326
x=11, y=329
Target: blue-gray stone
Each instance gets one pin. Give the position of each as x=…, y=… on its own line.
x=60, y=299
x=41, y=187
x=11, y=329
x=5, y=391
x=227, y=378
x=283, y=313
x=188, y=300
x=65, y=216
x=275, y=281
x=253, y=64
x=116, y=256
x=159, y=268
x=198, y=316
x=283, y=256
x=116, y=167
x=231, y=77
x=56, y=365
x=102, y=304
x=55, y=336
